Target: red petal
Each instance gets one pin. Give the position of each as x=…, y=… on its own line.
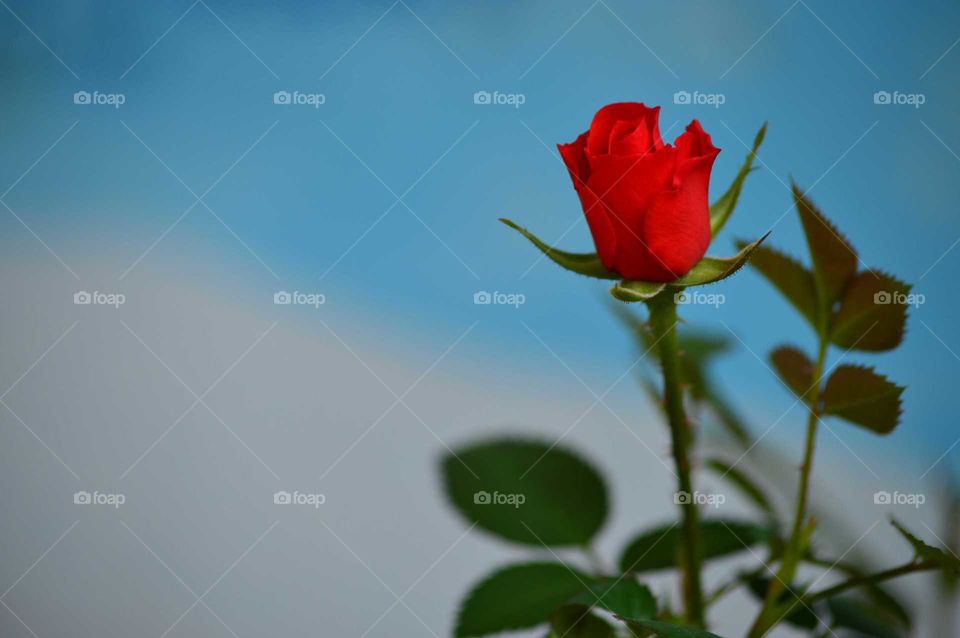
x=575, y=157
x=606, y=119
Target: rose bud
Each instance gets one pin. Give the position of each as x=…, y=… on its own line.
x=646, y=203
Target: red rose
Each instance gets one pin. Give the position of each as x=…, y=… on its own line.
x=645, y=202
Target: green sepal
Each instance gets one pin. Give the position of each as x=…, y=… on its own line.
x=713, y=269
x=632, y=291
x=721, y=209
x=587, y=264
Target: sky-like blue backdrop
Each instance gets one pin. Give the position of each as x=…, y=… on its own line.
x=313, y=205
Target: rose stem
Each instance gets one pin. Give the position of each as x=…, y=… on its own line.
x=663, y=321
x=793, y=549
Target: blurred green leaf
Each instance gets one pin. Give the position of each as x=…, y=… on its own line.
x=564, y=499
x=517, y=597
x=947, y=561
x=864, y=618
x=587, y=264
x=795, y=370
x=792, y=279
x=834, y=259
x=633, y=291
x=623, y=596
x=721, y=209
x=713, y=269
x=799, y=614
x=744, y=483
x=576, y=621
x=666, y=630
x=659, y=548
x=872, y=313
x=861, y=396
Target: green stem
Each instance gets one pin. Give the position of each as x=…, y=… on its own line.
x=868, y=579
x=663, y=321
x=794, y=549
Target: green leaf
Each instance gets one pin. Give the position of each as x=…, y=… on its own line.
x=794, y=369
x=721, y=209
x=587, y=264
x=861, y=396
x=863, y=617
x=666, y=630
x=922, y=551
x=744, y=483
x=788, y=276
x=872, y=313
x=713, y=269
x=528, y=492
x=517, y=597
x=576, y=621
x=622, y=596
x=659, y=548
x=834, y=259
x=632, y=291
